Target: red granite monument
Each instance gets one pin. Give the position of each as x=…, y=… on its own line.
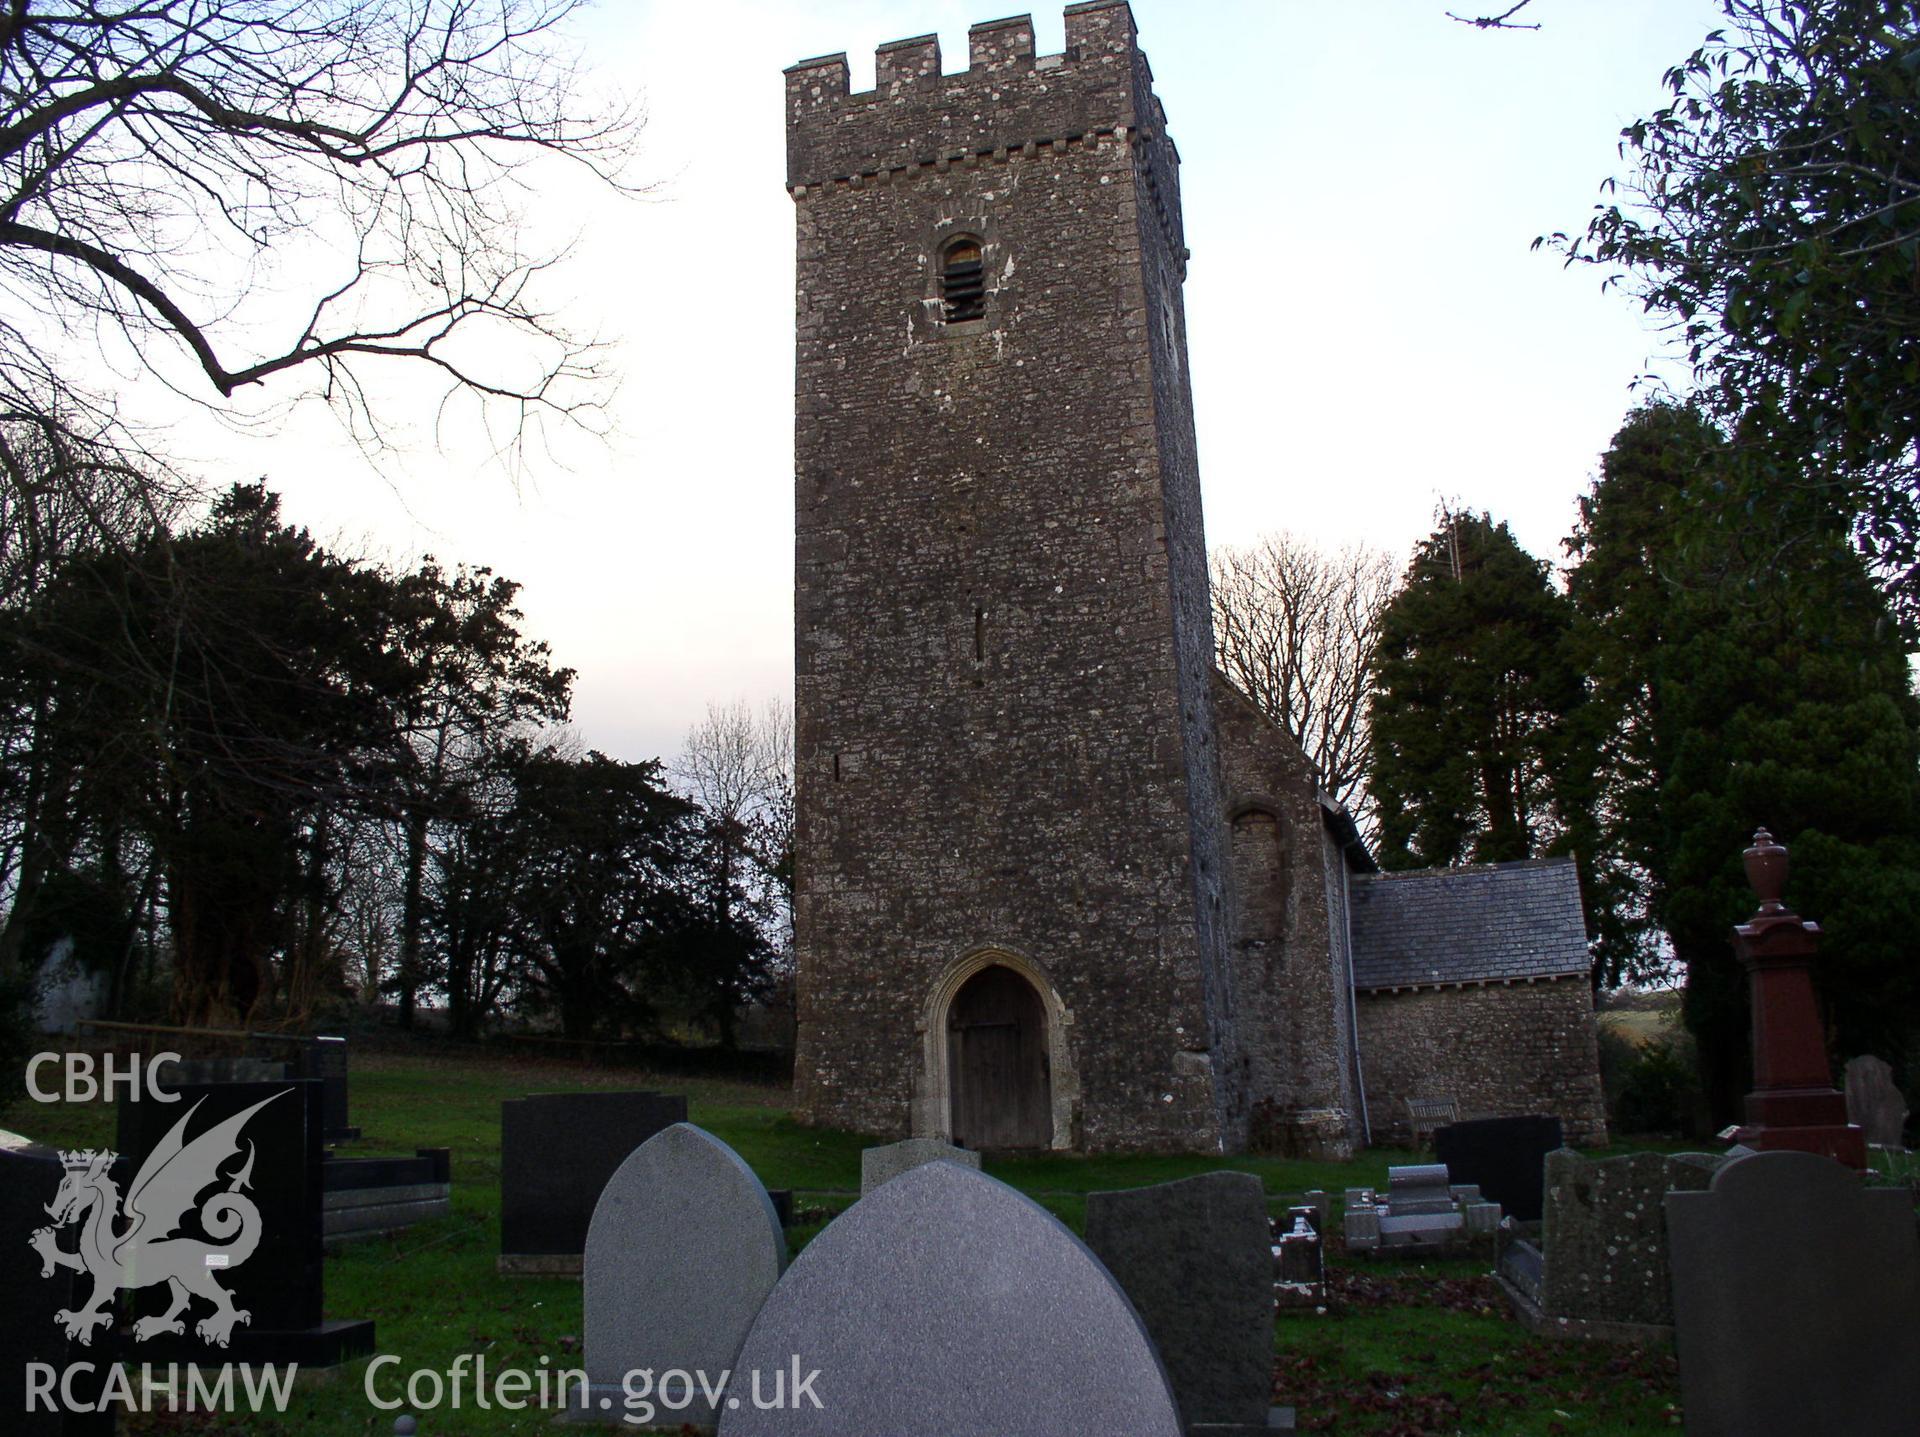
x=1794, y=1104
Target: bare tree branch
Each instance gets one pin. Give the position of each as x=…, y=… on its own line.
x=1295, y=629
x=165, y=167
x=1501, y=21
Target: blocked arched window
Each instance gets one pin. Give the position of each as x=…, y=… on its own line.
x=963, y=280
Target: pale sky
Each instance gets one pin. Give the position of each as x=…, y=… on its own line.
x=1369, y=333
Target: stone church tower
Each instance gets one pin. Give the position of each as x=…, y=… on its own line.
x=1057, y=883
x=1009, y=908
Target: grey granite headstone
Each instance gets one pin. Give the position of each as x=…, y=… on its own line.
x=1874, y=1103
x=946, y=1304
x=1796, y=1297
x=1605, y=1234
x=877, y=1165
x=1196, y=1258
x=682, y=1251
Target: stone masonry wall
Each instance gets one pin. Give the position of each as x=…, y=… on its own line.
x=998, y=733
x=1288, y=961
x=1499, y=1050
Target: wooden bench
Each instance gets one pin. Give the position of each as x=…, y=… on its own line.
x=1426, y=1114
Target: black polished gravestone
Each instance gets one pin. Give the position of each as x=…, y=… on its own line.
x=557, y=1151
x=1507, y=1157
x=1796, y=1301
x=326, y=1059
x=233, y=1191
x=33, y=1345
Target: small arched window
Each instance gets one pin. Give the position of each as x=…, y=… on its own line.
x=963, y=281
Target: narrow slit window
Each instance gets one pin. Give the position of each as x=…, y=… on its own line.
x=979, y=636
x=963, y=281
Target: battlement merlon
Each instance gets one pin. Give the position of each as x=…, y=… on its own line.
x=1006, y=98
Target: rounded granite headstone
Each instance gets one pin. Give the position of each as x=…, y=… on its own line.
x=682, y=1251
x=945, y=1304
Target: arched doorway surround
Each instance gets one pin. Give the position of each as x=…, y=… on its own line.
x=993, y=1023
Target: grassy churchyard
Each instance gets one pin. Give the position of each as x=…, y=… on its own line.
x=1405, y=1349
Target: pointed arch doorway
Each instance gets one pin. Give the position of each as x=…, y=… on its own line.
x=999, y=1069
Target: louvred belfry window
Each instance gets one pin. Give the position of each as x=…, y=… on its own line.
x=963, y=281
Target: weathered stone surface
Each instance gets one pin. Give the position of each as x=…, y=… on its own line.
x=1874, y=1102
x=683, y=1249
x=1495, y=1049
x=1003, y=655
x=1010, y=739
x=1605, y=1234
x=879, y=1164
x=946, y=1304
x=1506, y=1157
x=1796, y=1296
x=557, y=1151
x=1195, y=1257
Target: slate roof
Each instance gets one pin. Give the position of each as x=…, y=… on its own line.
x=1493, y=922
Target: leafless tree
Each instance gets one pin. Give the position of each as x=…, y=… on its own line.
x=738, y=766
x=1295, y=629
x=233, y=194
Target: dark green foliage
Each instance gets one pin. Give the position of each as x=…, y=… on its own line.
x=208, y=694
x=1747, y=677
x=1651, y=1087
x=1472, y=690
x=1775, y=222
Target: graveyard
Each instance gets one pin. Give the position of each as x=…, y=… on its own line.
x=1138, y=955
x=1418, y=1346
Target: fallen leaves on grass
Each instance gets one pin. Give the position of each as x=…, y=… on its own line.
x=1440, y=1389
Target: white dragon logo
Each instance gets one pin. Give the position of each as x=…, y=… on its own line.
x=149, y=1250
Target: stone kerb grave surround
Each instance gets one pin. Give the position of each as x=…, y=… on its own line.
x=1796, y=1297
x=881, y=1164
x=946, y=1304
x=1196, y=1258
x=683, y=1249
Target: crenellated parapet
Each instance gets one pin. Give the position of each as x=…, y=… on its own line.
x=1008, y=99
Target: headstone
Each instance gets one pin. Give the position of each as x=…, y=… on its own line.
x=1360, y=1220
x=1604, y=1236
x=879, y=1164
x=683, y=1249
x=1796, y=1297
x=325, y=1058
x=1299, y=1260
x=1195, y=1257
x=1505, y=1157
x=30, y=1179
x=946, y=1304
x=65, y=993
x=1875, y=1103
x=238, y=1165
x=1421, y=1212
x=175, y=1073
x=557, y=1151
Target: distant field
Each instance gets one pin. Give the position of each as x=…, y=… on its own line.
x=1647, y=1020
